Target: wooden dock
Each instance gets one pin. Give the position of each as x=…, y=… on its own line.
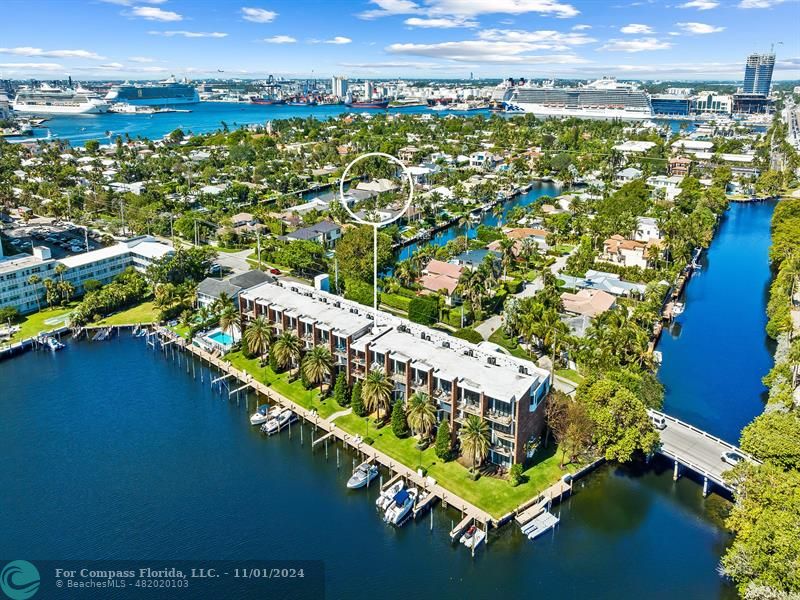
x=426, y=503
x=456, y=531
x=556, y=491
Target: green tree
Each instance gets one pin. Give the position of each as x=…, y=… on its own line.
x=355, y=400
x=774, y=437
x=287, y=350
x=34, y=281
x=258, y=335
x=228, y=319
x=317, y=365
x=377, y=392
x=421, y=413
x=340, y=390
x=354, y=252
x=475, y=441
x=444, y=444
x=570, y=425
x=399, y=423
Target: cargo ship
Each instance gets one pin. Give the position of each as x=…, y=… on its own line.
x=267, y=101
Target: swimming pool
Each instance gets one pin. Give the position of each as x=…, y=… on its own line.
x=221, y=338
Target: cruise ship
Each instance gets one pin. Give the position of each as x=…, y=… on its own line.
x=49, y=100
x=163, y=93
x=604, y=99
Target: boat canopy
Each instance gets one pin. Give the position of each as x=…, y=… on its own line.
x=400, y=497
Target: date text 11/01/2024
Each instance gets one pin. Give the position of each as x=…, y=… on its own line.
x=193, y=573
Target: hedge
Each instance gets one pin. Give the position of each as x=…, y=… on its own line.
x=424, y=310
x=469, y=334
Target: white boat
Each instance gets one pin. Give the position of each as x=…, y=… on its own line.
x=53, y=343
x=385, y=498
x=545, y=521
x=260, y=416
x=677, y=308
x=362, y=476
x=401, y=505
x=274, y=425
x=473, y=537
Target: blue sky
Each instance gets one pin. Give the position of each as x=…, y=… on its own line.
x=149, y=39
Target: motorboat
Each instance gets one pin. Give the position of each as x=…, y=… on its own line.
x=473, y=537
x=401, y=505
x=362, y=476
x=53, y=343
x=260, y=416
x=274, y=425
x=385, y=498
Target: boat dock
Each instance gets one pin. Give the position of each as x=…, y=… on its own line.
x=555, y=492
x=462, y=525
x=369, y=454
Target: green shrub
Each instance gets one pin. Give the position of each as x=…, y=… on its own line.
x=399, y=422
x=443, y=445
x=469, y=334
x=359, y=291
x=424, y=310
x=340, y=394
x=513, y=286
x=488, y=234
x=355, y=400
x=515, y=476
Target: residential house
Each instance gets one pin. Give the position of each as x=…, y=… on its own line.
x=647, y=229
x=588, y=303
x=324, y=232
x=679, y=165
x=439, y=276
x=629, y=253
x=211, y=289
x=627, y=175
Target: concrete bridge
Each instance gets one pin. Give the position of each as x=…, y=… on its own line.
x=696, y=450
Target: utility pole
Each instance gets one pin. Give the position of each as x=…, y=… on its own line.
x=258, y=246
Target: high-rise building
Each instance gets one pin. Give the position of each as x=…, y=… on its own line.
x=367, y=90
x=339, y=86
x=758, y=73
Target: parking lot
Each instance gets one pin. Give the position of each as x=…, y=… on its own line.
x=62, y=239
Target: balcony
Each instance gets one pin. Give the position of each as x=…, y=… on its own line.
x=420, y=385
x=470, y=407
x=361, y=362
x=502, y=435
x=399, y=377
x=340, y=349
x=502, y=450
x=498, y=417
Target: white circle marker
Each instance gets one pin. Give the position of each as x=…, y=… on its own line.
x=376, y=225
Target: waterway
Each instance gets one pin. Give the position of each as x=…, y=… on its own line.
x=206, y=117
x=114, y=451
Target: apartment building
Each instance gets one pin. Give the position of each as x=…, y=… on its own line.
x=460, y=377
x=102, y=265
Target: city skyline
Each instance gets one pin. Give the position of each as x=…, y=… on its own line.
x=152, y=39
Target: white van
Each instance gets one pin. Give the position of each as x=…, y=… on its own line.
x=659, y=422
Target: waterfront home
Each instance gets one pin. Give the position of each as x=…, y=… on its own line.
x=629, y=253
x=408, y=154
x=212, y=289
x=679, y=165
x=243, y=219
x=647, y=229
x=627, y=175
x=482, y=159
x=634, y=147
x=439, y=276
x=692, y=146
x=325, y=233
x=606, y=282
x=588, y=303
x=670, y=184
x=377, y=186
x=461, y=378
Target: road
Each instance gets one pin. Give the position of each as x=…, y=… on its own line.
x=235, y=261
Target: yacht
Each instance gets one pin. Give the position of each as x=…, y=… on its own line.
x=401, y=505
x=161, y=93
x=49, y=100
x=362, y=476
x=275, y=424
x=260, y=416
x=385, y=498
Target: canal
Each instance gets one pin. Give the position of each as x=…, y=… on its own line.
x=114, y=451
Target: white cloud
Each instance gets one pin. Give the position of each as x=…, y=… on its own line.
x=338, y=40
x=190, y=34
x=484, y=51
x=759, y=3
x=636, y=28
x=20, y=67
x=699, y=28
x=440, y=23
x=151, y=13
x=258, y=15
x=141, y=59
x=469, y=8
x=636, y=45
x=536, y=40
x=700, y=4
x=130, y=2
x=581, y=27
x=280, y=39
x=28, y=51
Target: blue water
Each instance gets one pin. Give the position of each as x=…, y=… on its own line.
x=717, y=352
x=204, y=118
x=113, y=451
x=221, y=338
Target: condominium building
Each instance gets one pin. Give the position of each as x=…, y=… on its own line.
x=461, y=378
x=339, y=86
x=758, y=73
x=102, y=265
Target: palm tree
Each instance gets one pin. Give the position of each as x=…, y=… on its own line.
x=258, y=335
x=286, y=349
x=376, y=391
x=507, y=247
x=59, y=270
x=474, y=438
x=318, y=365
x=35, y=280
x=228, y=318
x=421, y=414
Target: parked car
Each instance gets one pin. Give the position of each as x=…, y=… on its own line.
x=659, y=422
x=275, y=271
x=731, y=457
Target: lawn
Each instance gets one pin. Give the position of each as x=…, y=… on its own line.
x=282, y=384
x=570, y=374
x=44, y=320
x=495, y=496
x=141, y=313
x=500, y=338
